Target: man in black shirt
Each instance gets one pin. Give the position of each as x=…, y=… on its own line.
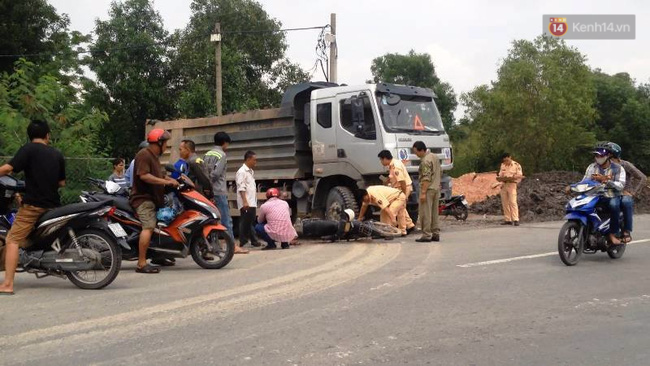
x=44, y=169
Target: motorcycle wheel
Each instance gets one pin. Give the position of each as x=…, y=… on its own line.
x=223, y=250
x=570, y=245
x=379, y=229
x=111, y=260
x=616, y=251
x=461, y=213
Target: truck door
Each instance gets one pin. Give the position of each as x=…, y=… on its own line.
x=358, y=136
x=323, y=136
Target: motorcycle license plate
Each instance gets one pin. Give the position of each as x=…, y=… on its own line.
x=465, y=203
x=117, y=230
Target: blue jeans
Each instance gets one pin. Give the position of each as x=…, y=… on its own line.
x=221, y=201
x=261, y=232
x=627, y=205
x=615, y=212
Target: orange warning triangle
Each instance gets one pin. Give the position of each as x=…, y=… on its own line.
x=417, y=124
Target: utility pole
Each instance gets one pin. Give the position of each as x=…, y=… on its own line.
x=333, y=50
x=216, y=38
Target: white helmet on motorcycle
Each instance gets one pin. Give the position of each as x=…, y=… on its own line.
x=349, y=213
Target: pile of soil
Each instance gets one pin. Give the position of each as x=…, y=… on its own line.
x=541, y=197
x=476, y=187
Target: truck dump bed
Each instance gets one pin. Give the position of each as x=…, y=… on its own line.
x=279, y=137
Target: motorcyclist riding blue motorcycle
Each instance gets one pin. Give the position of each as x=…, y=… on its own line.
x=604, y=171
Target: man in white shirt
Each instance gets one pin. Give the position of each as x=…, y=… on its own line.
x=247, y=200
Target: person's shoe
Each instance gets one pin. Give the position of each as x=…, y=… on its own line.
x=410, y=230
x=515, y=223
x=423, y=239
x=285, y=246
x=435, y=237
x=506, y=223
x=256, y=244
x=207, y=257
x=270, y=247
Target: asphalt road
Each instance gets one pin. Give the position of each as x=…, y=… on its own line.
x=493, y=296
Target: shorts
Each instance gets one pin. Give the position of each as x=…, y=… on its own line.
x=24, y=224
x=147, y=215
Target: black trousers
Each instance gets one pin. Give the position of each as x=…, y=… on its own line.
x=247, y=221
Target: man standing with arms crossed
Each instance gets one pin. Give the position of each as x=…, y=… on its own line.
x=44, y=169
x=398, y=177
x=148, y=192
x=215, y=163
x=429, y=178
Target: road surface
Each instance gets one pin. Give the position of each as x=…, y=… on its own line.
x=492, y=296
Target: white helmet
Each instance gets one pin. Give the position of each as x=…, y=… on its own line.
x=350, y=214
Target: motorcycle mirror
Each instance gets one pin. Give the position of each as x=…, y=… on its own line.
x=112, y=187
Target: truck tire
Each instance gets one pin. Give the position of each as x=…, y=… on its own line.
x=338, y=199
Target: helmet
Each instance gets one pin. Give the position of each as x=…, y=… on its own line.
x=143, y=144
x=602, y=148
x=158, y=135
x=615, y=149
x=350, y=213
x=272, y=192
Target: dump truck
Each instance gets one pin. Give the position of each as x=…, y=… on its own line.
x=320, y=147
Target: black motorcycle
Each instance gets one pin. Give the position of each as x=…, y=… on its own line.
x=333, y=230
x=455, y=206
x=74, y=241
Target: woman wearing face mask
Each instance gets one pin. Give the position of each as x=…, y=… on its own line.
x=603, y=170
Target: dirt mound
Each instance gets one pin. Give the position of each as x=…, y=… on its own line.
x=541, y=197
x=476, y=187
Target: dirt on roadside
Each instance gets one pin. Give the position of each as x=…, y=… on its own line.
x=542, y=197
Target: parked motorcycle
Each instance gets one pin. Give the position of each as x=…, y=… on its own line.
x=74, y=241
x=587, y=227
x=455, y=206
x=195, y=230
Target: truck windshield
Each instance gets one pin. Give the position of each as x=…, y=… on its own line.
x=409, y=113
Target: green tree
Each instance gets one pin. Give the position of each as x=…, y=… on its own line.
x=33, y=28
x=416, y=69
x=540, y=109
x=129, y=58
x=26, y=95
x=624, y=115
x=254, y=68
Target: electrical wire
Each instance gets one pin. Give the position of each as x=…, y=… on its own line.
x=110, y=49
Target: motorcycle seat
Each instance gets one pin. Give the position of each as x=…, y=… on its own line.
x=72, y=209
x=121, y=203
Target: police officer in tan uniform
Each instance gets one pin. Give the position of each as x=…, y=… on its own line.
x=510, y=174
x=429, y=177
x=398, y=177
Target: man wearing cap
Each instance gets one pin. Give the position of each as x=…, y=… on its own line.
x=604, y=171
x=392, y=202
x=510, y=174
x=398, y=177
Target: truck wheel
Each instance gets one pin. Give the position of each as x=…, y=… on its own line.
x=338, y=199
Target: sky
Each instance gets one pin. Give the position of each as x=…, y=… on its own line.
x=467, y=39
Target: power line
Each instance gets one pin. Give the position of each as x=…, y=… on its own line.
x=87, y=51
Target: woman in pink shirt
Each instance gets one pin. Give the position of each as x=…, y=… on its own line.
x=274, y=221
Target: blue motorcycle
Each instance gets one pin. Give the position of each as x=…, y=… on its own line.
x=587, y=226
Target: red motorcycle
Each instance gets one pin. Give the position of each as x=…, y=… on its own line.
x=455, y=206
x=194, y=230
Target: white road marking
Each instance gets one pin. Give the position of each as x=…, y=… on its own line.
x=506, y=260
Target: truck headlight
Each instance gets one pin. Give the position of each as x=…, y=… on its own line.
x=448, y=157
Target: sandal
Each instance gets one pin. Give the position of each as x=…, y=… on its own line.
x=241, y=250
x=148, y=269
x=626, y=238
